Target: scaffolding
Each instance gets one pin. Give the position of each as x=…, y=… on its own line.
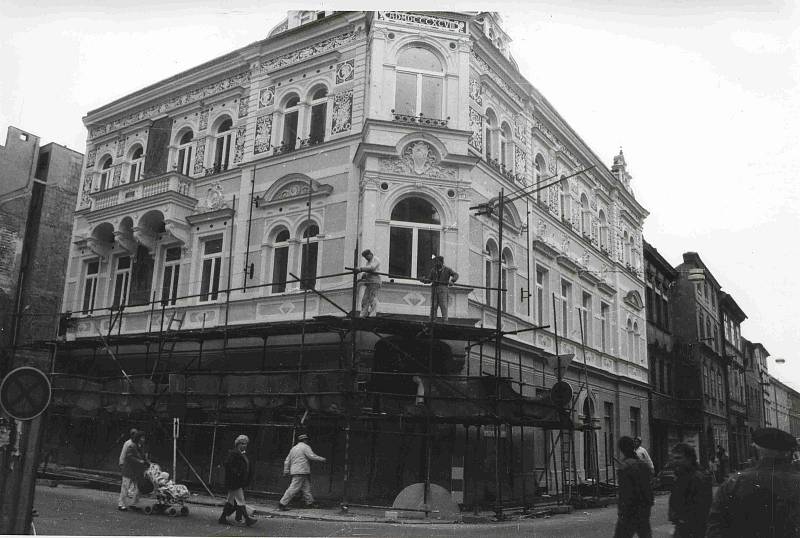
x=392, y=375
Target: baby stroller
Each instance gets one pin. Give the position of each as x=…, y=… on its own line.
x=170, y=497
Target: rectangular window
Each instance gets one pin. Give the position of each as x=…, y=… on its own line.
x=487, y=274
x=427, y=248
x=604, y=324
x=665, y=312
x=406, y=101
x=308, y=267
x=586, y=317
x=222, y=151
x=290, y=129
x=211, y=267
x=432, y=97
x=280, y=265
x=542, y=288
x=636, y=422
x=400, y=244
x=318, y=117
x=172, y=269
x=566, y=304
x=185, y=160
x=649, y=304
x=122, y=279
x=90, y=286
x=608, y=423
x=504, y=284
x=705, y=380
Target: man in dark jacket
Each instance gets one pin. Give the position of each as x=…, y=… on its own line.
x=763, y=501
x=690, y=499
x=634, y=494
x=237, y=476
x=441, y=278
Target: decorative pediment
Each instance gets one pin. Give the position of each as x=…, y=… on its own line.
x=419, y=159
x=292, y=189
x=634, y=299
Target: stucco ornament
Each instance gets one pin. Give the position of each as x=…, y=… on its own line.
x=215, y=199
x=419, y=158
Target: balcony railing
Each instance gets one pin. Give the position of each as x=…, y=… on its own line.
x=420, y=120
x=145, y=188
x=216, y=169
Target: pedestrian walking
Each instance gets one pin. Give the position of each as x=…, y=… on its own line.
x=238, y=472
x=440, y=278
x=372, y=283
x=634, y=494
x=642, y=454
x=298, y=465
x=722, y=463
x=690, y=499
x=763, y=501
x=133, y=462
x=713, y=468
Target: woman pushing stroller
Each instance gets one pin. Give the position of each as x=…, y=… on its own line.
x=238, y=472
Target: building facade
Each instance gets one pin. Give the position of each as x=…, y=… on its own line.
x=38, y=191
x=731, y=317
x=236, y=195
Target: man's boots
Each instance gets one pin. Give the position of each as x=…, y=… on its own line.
x=227, y=510
x=242, y=511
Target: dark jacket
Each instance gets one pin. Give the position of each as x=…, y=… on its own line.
x=441, y=276
x=133, y=461
x=689, y=503
x=634, y=491
x=238, y=470
x=760, y=502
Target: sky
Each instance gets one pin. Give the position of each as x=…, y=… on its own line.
x=703, y=97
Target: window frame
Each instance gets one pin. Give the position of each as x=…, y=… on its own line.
x=136, y=165
x=183, y=156
x=174, y=267
x=221, y=156
x=215, y=272
x=122, y=282
x=542, y=291
x=105, y=174
x=90, y=282
x=415, y=227
x=283, y=246
x=565, y=297
x=420, y=74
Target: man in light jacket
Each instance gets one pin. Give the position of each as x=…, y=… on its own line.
x=297, y=464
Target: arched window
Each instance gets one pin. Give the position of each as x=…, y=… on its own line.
x=488, y=140
x=603, y=230
x=563, y=197
x=506, y=147
x=319, y=108
x=539, y=168
x=506, y=283
x=414, y=236
x=105, y=174
x=222, y=145
x=184, y=164
x=489, y=259
x=291, y=112
x=586, y=219
x=309, y=257
x=280, y=261
x=136, y=164
x=419, y=85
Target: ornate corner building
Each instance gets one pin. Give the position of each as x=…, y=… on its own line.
x=220, y=210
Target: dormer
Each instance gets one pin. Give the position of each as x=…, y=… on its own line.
x=490, y=22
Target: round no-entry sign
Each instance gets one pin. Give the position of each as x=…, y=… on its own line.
x=25, y=393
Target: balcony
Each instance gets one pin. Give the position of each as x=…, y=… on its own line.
x=420, y=120
x=169, y=184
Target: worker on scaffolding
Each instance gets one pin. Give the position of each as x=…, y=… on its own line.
x=440, y=278
x=372, y=283
x=298, y=465
x=238, y=472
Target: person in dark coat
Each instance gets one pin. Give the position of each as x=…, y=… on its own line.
x=690, y=499
x=238, y=472
x=441, y=278
x=763, y=501
x=634, y=494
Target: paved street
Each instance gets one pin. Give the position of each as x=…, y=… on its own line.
x=78, y=511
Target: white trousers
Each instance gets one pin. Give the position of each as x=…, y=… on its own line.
x=126, y=491
x=300, y=482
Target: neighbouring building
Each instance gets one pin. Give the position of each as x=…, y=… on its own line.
x=780, y=404
x=732, y=316
x=38, y=192
x=672, y=418
x=696, y=327
x=753, y=390
x=220, y=211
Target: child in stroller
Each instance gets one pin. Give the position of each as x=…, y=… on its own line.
x=170, y=497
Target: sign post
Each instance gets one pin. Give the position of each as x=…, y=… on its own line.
x=24, y=395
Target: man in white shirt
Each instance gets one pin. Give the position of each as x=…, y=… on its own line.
x=298, y=465
x=372, y=283
x=642, y=454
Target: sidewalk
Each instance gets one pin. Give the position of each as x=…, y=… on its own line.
x=267, y=508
